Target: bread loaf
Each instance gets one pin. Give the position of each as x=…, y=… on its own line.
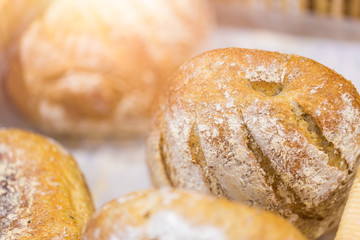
x=43, y=194
x=178, y=215
x=277, y=131
x=95, y=67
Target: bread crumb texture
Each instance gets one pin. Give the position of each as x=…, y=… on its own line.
x=278, y=131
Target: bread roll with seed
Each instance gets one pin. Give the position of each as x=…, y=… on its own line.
x=42, y=192
x=95, y=67
x=178, y=215
x=277, y=131
x=349, y=228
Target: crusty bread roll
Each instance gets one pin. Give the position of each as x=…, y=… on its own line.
x=349, y=227
x=277, y=131
x=177, y=215
x=43, y=194
x=95, y=67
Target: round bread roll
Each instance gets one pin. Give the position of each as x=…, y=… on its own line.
x=178, y=215
x=43, y=194
x=277, y=131
x=95, y=67
x=349, y=227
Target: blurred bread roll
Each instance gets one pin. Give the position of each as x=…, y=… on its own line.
x=277, y=131
x=95, y=67
x=178, y=215
x=43, y=194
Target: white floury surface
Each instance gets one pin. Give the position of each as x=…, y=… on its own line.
x=118, y=167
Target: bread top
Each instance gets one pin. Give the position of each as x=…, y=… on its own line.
x=100, y=64
x=174, y=214
x=43, y=194
x=282, y=131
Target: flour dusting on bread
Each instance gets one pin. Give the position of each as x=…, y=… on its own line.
x=279, y=131
x=265, y=74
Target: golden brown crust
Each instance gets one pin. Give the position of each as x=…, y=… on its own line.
x=98, y=70
x=43, y=193
x=278, y=131
x=174, y=214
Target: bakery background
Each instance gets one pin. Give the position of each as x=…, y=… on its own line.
x=326, y=31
